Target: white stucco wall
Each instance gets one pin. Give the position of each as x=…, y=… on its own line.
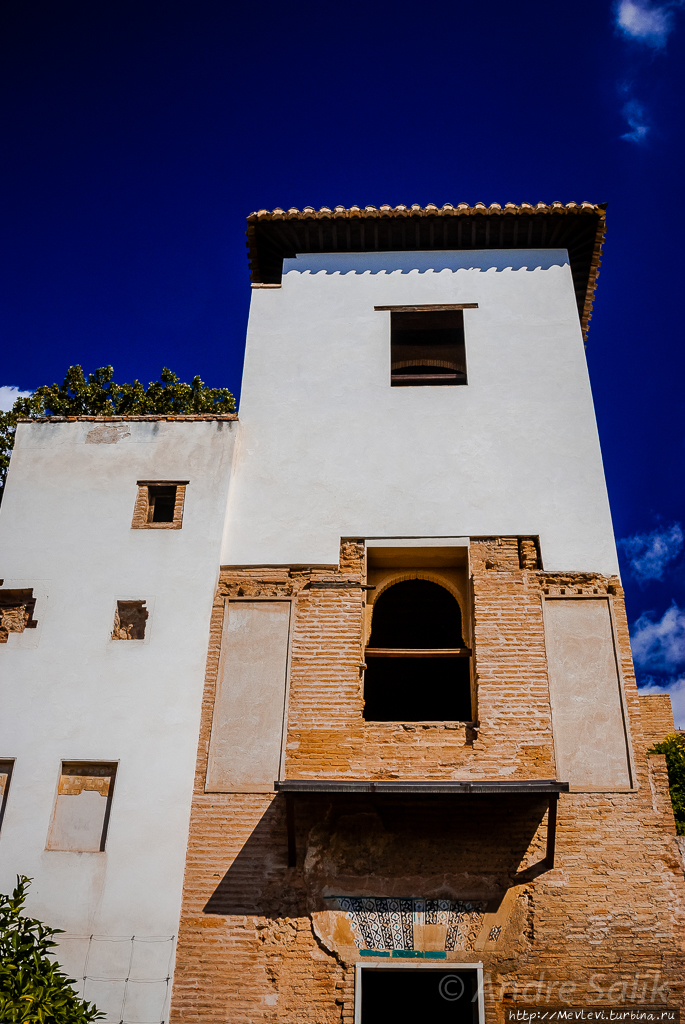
x=328, y=449
x=68, y=692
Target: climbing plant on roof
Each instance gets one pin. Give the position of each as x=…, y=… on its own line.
x=97, y=394
x=33, y=988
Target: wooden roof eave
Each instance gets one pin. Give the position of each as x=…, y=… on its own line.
x=273, y=235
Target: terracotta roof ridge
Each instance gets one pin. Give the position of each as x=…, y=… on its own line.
x=430, y=209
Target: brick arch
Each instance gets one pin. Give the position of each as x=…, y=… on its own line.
x=419, y=574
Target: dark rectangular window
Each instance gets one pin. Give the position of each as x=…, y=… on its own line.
x=161, y=503
x=5, y=779
x=427, y=348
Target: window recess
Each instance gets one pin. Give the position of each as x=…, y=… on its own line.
x=417, y=663
x=16, y=612
x=159, y=505
x=427, y=345
x=82, y=809
x=6, y=768
x=130, y=618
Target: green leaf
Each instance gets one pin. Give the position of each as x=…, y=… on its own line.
x=33, y=989
x=674, y=749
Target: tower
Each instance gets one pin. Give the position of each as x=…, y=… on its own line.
x=423, y=785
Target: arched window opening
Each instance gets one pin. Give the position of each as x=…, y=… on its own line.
x=417, y=661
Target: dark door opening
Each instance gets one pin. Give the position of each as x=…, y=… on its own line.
x=429, y=996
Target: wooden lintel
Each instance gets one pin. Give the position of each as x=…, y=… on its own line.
x=437, y=307
x=417, y=652
x=405, y=378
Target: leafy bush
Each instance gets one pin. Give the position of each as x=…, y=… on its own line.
x=33, y=989
x=98, y=395
x=674, y=749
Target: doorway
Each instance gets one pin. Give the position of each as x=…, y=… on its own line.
x=405, y=996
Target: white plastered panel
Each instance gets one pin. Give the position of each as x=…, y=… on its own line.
x=585, y=690
x=247, y=728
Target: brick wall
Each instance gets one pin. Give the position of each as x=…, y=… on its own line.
x=257, y=939
x=657, y=717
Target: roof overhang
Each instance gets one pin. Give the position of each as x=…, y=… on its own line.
x=273, y=235
x=545, y=787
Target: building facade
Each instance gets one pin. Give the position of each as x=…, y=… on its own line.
x=102, y=684
x=421, y=785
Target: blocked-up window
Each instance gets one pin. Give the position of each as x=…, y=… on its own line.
x=82, y=808
x=159, y=505
x=247, y=727
x=6, y=767
x=16, y=612
x=417, y=663
x=586, y=693
x=130, y=618
x=427, y=348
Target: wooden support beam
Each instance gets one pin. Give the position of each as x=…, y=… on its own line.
x=290, y=828
x=436, y=307
x=551, y=830
x=418, y=652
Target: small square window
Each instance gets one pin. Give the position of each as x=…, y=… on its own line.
x=6, y=768
x=159, y=505
x=427, y=348
x=16, y=612
x=129, y=620
x=82, y=809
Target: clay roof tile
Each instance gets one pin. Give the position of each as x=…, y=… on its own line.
x=578, y=227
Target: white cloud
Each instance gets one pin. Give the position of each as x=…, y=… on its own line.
x=9, y=393
x=676, y=688
x=634, y=114
x=650, y=553
x=644, y=22
x=660, y=645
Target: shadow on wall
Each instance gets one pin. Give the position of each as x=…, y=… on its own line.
x=455, y=847
x=422, y=262
x=259, y=880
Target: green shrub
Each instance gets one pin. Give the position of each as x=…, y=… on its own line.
x=98, y=395
x=674, y=749
x=33, y=989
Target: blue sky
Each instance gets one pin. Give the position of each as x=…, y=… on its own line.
x=138, y=135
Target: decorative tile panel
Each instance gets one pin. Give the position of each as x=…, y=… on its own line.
x=388, y=923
